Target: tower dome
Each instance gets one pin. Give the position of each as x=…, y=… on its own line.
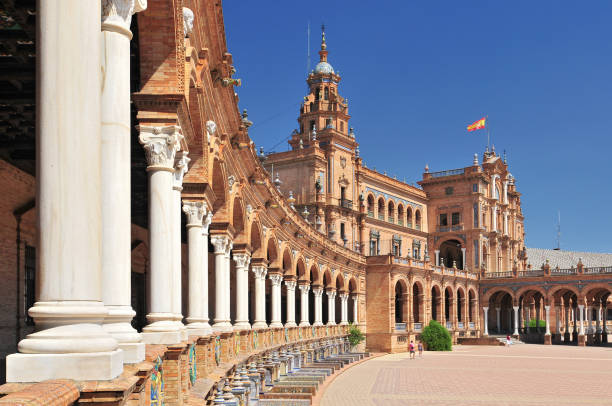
x=323, y=67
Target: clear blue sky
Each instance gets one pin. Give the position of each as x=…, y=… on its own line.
x=416, y=73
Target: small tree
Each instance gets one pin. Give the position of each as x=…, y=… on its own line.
x=355, y=335
x=436, y=337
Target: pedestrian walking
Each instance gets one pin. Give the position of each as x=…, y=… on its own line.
x=420, y=349
x=508, y=340
x=411, y=349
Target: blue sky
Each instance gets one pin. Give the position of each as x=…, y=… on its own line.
x=416, y=73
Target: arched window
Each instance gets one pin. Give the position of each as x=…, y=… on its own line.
x=417, y=220
x=317, y=92
x=409, y=217
x=370, y=206
x=400, y=214
x=381, y=209
x=391, y=212
x=326, y=93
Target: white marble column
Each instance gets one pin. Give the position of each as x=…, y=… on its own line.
x=485, y=312
x=355, y=307
x=260, y=296
x=567, y=320
x=242, y=291
x=516, y=320
x=115, y=170
x=331, y=307
x=581, y=310
x=161, y=145
x=547, y=309
x=598, y=320
x=222, y=245
x=197, y=320
x=494, y=223
x=276, y=280
x=69, y=310
x=343, y=309
x=304, y=305
x=437, y=252
x=180, y=169
x=498, y=318
x=505, y=192
x=290, y=285
x=505, y=223
x=204, y=293
x=589, y=318
x=462, y=258
x=318, y=302
x=558, y=318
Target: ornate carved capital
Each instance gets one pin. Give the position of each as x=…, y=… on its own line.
x=195, y=213
x=290, y=285
x=221, y=243
x=181, y=166
x=160, y=145
x=276, y=279
x=343, y=296
x=331, y=294
x=304, y=288
x=242, y=260
x=117, y=15
x=259, y=271
x=318, y=291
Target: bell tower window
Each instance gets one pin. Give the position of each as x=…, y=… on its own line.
x=326, y=93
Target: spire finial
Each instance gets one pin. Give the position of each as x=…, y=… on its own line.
x=323, y=45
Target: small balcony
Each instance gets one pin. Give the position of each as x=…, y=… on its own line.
x=400, y=326
x=418, y=327
x=449, y=325
x=347, y=204
x=400, y=222
x=370, y=214
x=391, y=220
x=381, y=217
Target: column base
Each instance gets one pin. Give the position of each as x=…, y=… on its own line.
x=222, y=327
x=331, y=323
x=276, y=324
x=242, y=325
x=581, y=340
x=100, y=366
x=343, y=323
x=290, y=324
x=304, y=324
x=198, y=329
x=259, y=325
x=317, y=323
x=163, y=337
x=547, y=339
x=133, y=353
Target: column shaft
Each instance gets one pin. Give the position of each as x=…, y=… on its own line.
x=318, y=295
x=485, y=312
x=222, y=246
x=180, y=168
x=516, y=320
x=260, y=296
x=331, y=307
x=276, y=280
x=356, y=306
x=290, y=303
x=242, y=291
x=343, y=308
x=547, y=310
x=304, y=305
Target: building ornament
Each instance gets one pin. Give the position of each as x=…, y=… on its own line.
x=117, y=15
x=242, y=260
x=181, y=166
x=317, y=291
x=231, y=181
x=188, y=18
x=161, y=145
x=206, y=223
x=220, y=243
x=211, y=129
x=290, y=285
x=304, y=288
x=195, y=213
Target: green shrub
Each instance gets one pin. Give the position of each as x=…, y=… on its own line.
x=436, y=337
x=355, y=335
x=532, y=323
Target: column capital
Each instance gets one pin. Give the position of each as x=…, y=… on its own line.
x=242, y=260
x=221, y=243
x=181, y=166
x=291, y=284
x=117, y=15
x=276, y=279
x=485, y=308
x=206, y=223
x=317, y=290
x=260, y=271
x=304, y=288
x=343, y=296
x=195, y=212
x=331, y=293
x=160, y=145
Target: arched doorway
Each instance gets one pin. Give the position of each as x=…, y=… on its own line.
x=450, y=254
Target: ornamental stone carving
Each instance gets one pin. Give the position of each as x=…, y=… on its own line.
x=259, y=271
x=318, y=291
x=276, y=279
x=195, y=213
x=242, y=260
x=117, y=14
x=220, y=243
x=181, y=166
x=206, y=223
x=211, y=129
x=188, y=18
x=343, y=296
x=161, y=145
x=231, y=181
x=290, y=285
x=304, y=288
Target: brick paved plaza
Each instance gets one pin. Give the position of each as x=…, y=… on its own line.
x=523, y=374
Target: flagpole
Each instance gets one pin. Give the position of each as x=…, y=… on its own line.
x=488, y=134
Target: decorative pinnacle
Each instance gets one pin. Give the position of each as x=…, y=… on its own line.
x=323, y=45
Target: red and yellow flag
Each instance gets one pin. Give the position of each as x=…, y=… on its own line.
x=477, y=125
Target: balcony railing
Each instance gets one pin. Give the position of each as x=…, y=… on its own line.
x=449, y=325
x=409, y=224
x=443, y=229
x=457, y=227
x=418, y=227
x=447, y=173
x=570, y=271
x=536, y=272
x=598, y=269
x=381, y=217
x=418, y=326
x=347, y=204
x=391, y=219
x=460, y=325
x=370, y=214
x=400, y=222
x=472, y=325
x=400, y=326
x=496, y=275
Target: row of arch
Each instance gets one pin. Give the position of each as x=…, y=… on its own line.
x=393, y=213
